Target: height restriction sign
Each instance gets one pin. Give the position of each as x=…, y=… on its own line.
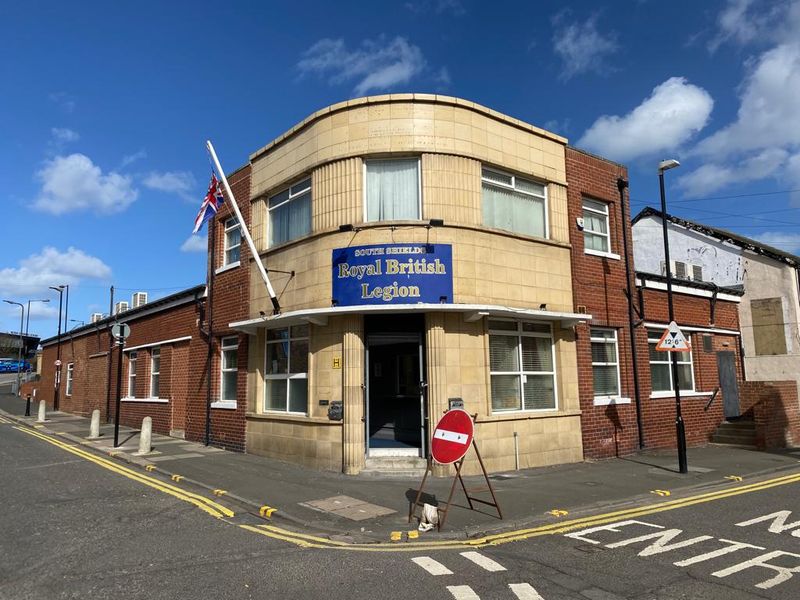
x=673, y=340
x=452, y=437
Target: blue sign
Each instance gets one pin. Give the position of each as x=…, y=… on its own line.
x=393, y=274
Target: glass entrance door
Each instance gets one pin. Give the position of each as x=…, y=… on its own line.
x=395, y=399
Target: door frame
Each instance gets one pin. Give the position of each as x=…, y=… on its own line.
x=419, y=339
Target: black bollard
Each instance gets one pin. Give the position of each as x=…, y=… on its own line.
x=28, y=406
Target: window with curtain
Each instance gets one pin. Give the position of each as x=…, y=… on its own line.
x=521, y=366
x=286, y=370
x=392, y=190
x=132, y=375
x=661, y=369
x=229, y=367
x=514, y=204
x=155, y=372
x=290, y=213
x=605, y=363
x=595, y=226
x=233, y=241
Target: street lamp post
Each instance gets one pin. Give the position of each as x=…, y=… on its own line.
x=28, y=317
x=56, y=389
x=680, y=429
x=21, y=323
x=82, y=323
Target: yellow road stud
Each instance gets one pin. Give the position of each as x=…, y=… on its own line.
x=220, y=492
x=177, y=478
x=396, y=536
x=733, y=477
x=150, y=468
x=660, y=492
x=412, y=535
x=266, y=511
x=558, y=512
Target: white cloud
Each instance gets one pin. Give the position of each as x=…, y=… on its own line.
x=195, y=243
x=72, y=183
x=581, y=47
x=64, y=135
x=669, y=117
x=132, y=158
x=788, y=242
x=173, y=182
x=768, y=115
x=376, y=65
x=712, y=176
x=51, y=267
x=745, y=22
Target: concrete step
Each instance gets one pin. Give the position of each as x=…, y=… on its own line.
x=395, y=466
x=728, y=438
x=738, y=446
x=737, y=426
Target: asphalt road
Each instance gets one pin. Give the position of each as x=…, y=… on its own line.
x=72, y=529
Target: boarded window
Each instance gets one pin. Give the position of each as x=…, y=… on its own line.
x=768, y=330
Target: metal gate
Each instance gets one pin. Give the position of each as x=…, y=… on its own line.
x=726, y=368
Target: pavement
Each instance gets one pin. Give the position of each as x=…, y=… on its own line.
x=369, y=508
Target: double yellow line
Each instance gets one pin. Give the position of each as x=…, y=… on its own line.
x=310, y=541
x=4, y=420
x=205, y=504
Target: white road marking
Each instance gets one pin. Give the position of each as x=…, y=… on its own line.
x=483, y=561
x=524, y=591
x=462, y=592
x=431, y=566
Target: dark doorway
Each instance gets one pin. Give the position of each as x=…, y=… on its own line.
x=726, y=368
x=395, y=401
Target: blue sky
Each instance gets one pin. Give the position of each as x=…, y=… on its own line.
x=106, y=106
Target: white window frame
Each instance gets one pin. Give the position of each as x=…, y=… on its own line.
x=287, y=376
x=155, y=353
x=608, y=253
x=513, y=187
x=653, y=336
x=519, y=334
x=604, y=399
x=132, y=358
x=419, y=184
x=292, y=197
x=70, y=373
x=231, y=224
x=227, y=343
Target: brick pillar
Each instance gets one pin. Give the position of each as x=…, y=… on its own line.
x=353, y=394
x=436, y=375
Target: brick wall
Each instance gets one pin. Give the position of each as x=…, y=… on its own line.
x=775, y=410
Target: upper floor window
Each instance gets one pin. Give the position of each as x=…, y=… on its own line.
x=513, y=203
x=595, y=226
x=70, y=372
x=392, y=190
x=290, y=213
x=233, y=241
x=521, y=367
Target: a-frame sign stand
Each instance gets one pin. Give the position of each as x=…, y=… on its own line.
x=444, y=509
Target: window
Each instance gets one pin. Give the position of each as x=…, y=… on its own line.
x=513, y=203
x=233, y=241
x=70, y=369
x=290, y=213
x=769, y=332
x=229, y=365
x=392, y=190
x=132, y=375
x=521, y=366
x=605, y=363
x=697, y=273
x=595, y=226
x=286, y=370
x=155, y=371
x=661, y=369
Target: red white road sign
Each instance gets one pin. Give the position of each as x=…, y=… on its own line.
x=58, y=363
x=452, y=437
x=673, y=340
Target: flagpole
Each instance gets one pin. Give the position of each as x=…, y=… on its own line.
x=210, y=315
x=245, y=232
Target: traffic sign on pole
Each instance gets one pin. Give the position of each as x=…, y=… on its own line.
x=452, y=437
x=673, y=340
x=121, y=330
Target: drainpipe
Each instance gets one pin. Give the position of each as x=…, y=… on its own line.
x=621, y=185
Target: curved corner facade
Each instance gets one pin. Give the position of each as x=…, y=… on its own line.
x=419, y=247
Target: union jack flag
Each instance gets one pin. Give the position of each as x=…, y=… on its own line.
x=210, y=205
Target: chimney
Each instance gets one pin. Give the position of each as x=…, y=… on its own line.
x=96, y=317
x=139, y=299
x=120, y=307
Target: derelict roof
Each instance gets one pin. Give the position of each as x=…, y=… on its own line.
x=725, y=236
x=735, y=290
x=471, y=312
x=196, y=292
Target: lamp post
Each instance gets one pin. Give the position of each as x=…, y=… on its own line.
x=60, y=290
x=680, y=429
x=82, y=323
x=21, y=322
x=28, y=318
